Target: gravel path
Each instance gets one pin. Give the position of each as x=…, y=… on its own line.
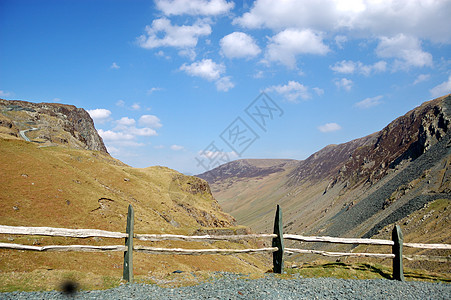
x=230, y=286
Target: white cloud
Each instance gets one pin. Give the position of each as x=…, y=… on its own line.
x=239, y=45
x=344, y=83
x=194, y=7
x=318, y=91
x=369, y=102
x=210, y=71
x=406, y=50
x=340, y=40
x=125, y=121
x=224, y=84
x=4, y=94
x=112, y=136
x=113, y=150
x=292, y=91
x=177, y=147
x=287, y=44
x=350, y=67
x=120, y=103
x=56, y=100
x=441, y=89
x=150, y=121
x=136, y=106
x=142, y=131
x=100, y=114
x=344, y=66
x=421, y=78
x=259, y=74
x=205, y=68
x=423, y=19
x=115, y=66
x=154, y=89
x=329, y=127
x=163, y=34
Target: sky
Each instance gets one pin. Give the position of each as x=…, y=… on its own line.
x=193, y=84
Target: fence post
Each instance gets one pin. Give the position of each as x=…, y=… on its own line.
x=398, y=272
x=277, y=257
x=128, y=254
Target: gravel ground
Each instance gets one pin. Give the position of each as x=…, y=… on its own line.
x=231, y=286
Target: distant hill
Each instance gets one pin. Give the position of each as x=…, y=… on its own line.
x=353, y=189
x=64, y=177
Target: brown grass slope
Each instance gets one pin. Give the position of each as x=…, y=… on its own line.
x=59, y=186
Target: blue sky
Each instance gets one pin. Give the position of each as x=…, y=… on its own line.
x=178, y=83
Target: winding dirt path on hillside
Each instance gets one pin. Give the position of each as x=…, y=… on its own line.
x=22, y=133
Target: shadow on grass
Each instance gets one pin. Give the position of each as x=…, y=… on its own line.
x=383, y=271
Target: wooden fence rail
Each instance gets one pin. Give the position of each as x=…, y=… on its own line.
x=277, y=248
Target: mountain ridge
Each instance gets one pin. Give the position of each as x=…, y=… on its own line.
x=328, y=186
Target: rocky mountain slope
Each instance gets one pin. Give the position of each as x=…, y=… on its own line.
x=63, y=177
x=353, y=189
x=49, y=124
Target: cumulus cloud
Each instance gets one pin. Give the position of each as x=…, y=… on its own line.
x=287, y=44
x=350, y=67
x=441, y=89
x=99, y=115
x=344, y=83
x=177, y=147
x=239, y=45
x=114, y=136
x=293, y=90
x=136, y=106
x=406, y=50
x=206, y=68
x=369, y=102
x=163, y=34
x=194, y=7
x=211, y=71
x=224, y=84
x=423, y=19
x=125, y=121
x=145, y=131
x=329, y=127
x=150, y=121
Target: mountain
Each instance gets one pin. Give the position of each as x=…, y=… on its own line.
x=64, y=177
x=354, y=189
x=49, y=124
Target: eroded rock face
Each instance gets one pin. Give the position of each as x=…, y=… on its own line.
x=404, y=139
x=55, y=123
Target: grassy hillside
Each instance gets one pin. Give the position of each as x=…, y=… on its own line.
x=63, y=187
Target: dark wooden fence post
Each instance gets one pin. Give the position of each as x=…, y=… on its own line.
x=398, y=271
x=128, y=254
x=277, y=257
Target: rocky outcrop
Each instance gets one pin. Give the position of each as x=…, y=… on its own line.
x=55, y=123
x=405, y=139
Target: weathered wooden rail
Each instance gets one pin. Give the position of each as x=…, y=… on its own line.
x=277, y=248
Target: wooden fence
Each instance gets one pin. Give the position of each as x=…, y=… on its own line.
x=277, y=248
